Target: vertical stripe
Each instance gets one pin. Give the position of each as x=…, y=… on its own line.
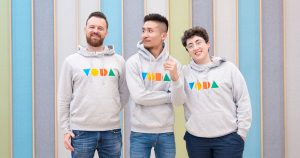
x=55, y=79
x=133, y=23
x=157, y=6
x=113, y=13
x=249, y=61
x=225, y=27
x=66, y=45
x=160, y=7
x=5, y=80
x=203, y=16
x=180, y=20
x=22, y=78
x=84, y=9
x=272, y=60
x=292, y=78
x=44, y=78
x=133, y=13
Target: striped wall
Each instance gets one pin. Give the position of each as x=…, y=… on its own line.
x=260, y=37
x=44, y=89
x=22, y=78
x=291, y=77
x=5, y=79
x=272, y=78
x=250, y=66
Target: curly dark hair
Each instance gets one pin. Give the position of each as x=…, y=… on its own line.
x=195, y=31
x=158, y=18
x=98, y=15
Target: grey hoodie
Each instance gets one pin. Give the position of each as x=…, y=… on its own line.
x=217, y=100
x=152, y=91
x=92, y=91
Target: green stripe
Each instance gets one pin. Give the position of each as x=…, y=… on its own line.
x=179, y=22
x=5, y=138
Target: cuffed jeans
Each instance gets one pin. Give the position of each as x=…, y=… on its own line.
x=228, y=146
x=107, y=143
x=142, y=143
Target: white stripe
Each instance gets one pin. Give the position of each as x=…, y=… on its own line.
x=225, y=27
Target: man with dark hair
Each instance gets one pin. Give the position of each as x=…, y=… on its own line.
x=217, y=108
x=154, y=85
x=92, y=92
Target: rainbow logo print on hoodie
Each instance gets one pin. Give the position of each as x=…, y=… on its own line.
x=152, y=76
x=99, y=72
x=203, y=85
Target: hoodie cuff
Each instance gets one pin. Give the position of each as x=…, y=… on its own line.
x=242, y=133
x=67, y=130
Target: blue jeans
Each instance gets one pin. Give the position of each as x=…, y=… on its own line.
x=228, y=146
x=107, y=143
x=142, y=143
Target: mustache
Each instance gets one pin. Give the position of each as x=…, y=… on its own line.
x=96, y=34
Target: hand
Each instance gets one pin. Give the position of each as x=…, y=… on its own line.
x=244, y=139
x=67, y=141
x=171, y=66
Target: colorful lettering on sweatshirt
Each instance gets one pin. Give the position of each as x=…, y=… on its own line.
x=152, y=76
x=203, y=85
x=98, y=72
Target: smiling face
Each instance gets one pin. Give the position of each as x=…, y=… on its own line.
x=96, y=30
x=198, y=49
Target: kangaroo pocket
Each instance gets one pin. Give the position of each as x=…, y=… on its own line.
x=153, y=116
x=213, y=124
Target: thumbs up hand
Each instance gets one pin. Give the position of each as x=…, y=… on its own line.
x=171, y=66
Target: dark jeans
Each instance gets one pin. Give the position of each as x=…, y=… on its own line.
x=228, y=146
x=107, y=143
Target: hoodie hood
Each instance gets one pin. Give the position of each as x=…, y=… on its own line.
x=216, y=61
x=107, y=51
x=142, y=51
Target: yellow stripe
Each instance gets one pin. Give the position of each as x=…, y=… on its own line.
x=5, y=81
x=10, y=63
x=180, y=20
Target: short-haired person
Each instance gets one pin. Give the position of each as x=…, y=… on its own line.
x=217, y=108
x=92, y=93
x=154, y=85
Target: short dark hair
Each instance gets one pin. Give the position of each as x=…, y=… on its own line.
x=158, y=18
x=195, y=31
x=98, y=15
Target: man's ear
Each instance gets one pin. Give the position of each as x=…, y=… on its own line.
x=164, y=35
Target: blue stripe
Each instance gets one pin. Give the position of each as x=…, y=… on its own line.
x=113, y=13
x=22, y=78
x=249, y=59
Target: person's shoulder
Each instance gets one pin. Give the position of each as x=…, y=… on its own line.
x=72, y=56
x=119, y=57
x=133, y=58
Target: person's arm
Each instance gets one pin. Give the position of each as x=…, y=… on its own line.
x=123, y=89
x=138, y=92
x=63, y=101
x=243, y=104
x=64, y=96
x=177, y=85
